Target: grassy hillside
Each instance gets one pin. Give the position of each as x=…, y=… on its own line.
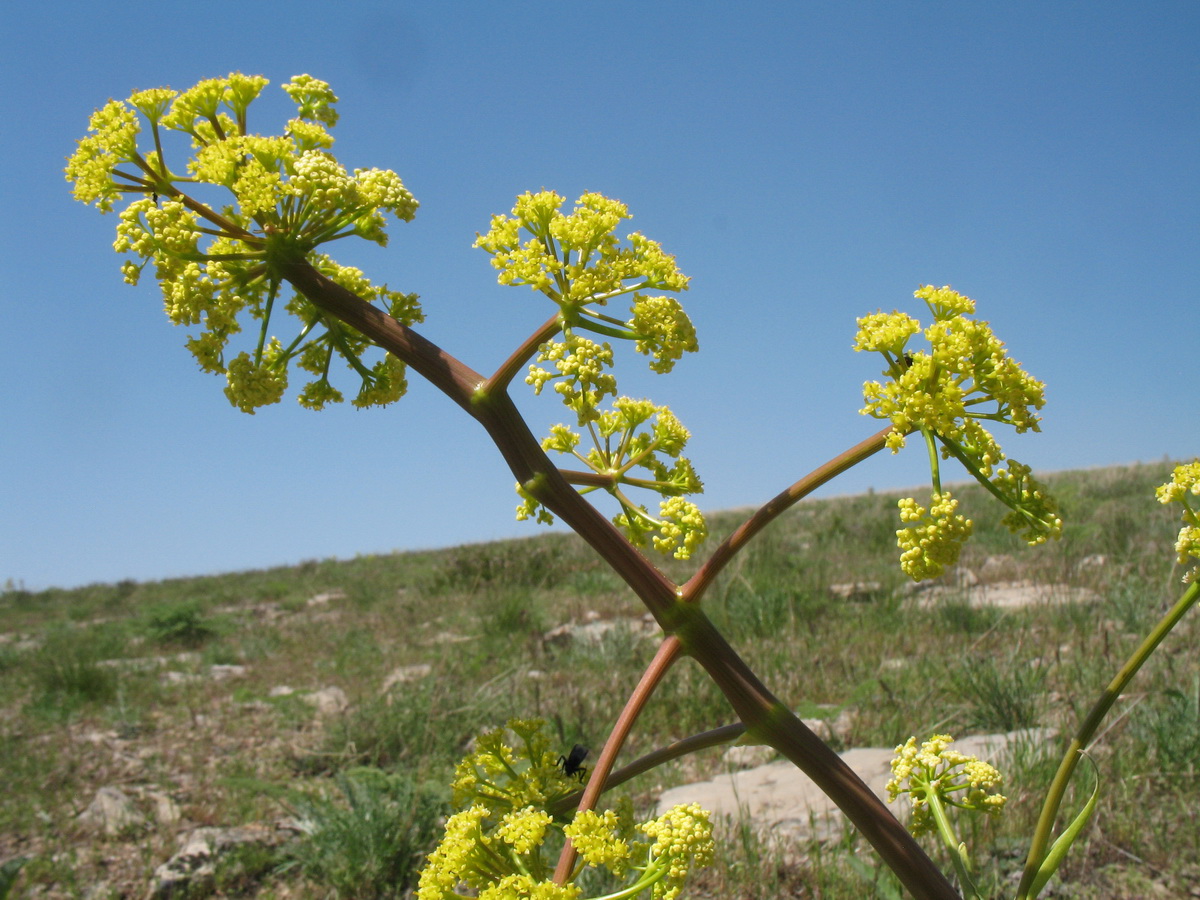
x=195, y=696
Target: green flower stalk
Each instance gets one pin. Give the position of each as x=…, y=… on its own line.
x=503, y=844
x=947, y=393
x=1046, y=855
x=220, y=270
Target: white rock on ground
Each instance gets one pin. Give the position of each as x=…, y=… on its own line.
x=405, y=674
x=785, y=805
x=329, y=701
x=1011, y=594
x=111, y=812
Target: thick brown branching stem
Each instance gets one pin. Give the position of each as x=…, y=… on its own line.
x=765, y=717
x=667, y=653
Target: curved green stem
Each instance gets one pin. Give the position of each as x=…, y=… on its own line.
x=700, y=582
x=1087, y=731
x=595, y=327
x=958, y=851
x=935, y=469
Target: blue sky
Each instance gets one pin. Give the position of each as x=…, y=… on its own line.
x=806, y=163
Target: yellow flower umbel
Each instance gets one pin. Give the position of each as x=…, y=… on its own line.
x=947, y=393
x=218, y=263
x=504, y=843
x=937, y=778
x=1184, y=489
x=576, y=260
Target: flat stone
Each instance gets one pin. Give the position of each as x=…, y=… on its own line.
x=166, y=810
x=783, y=804
x=222, y=672
x=1011, y=594
x=329, y=701
x=856, y=590
x=111, y=812
x=592, y=634
x=405, y=674
x=324, y=599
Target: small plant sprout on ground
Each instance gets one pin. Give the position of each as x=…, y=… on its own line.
x=236, y=227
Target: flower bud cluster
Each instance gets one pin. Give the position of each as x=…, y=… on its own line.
x=1184, y=489
x=935, y=774
x=933, y=538
x=504, y=841
x=290, y=196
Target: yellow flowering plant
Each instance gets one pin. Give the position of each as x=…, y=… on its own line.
x=937, y=778
x=946, y=393
x=237, y=236
x=511, y=826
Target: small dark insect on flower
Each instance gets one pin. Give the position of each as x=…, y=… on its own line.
x=154, y=197
x=571, y=763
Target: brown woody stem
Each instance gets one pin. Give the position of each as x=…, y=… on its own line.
x=765, y=716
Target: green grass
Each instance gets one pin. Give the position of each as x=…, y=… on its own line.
x=368, y=843
x=233, y=751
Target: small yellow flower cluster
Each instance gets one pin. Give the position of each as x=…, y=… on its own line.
x=290, y=195
x=1182, y=488
x=682, y=528
x=943, y=389
x=682, y=838
x=634, y=437
x=934, y=774
x=580, y=361
x=252, y=385
x=577, y=261
x=601, y=839
x=666, y=331
x=947, y=393
x=933, y=538
x=113, y=141
x=503, y=842
x=314, y=99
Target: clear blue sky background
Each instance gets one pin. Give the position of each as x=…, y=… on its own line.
x=806, y=162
